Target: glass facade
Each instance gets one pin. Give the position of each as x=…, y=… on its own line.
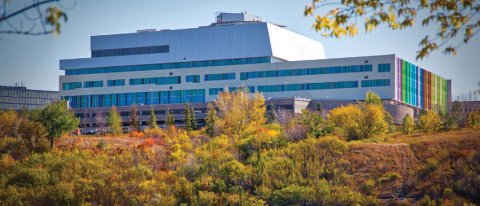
x=178, y=65
x=192, y=78
x=308, y=86
x=216, y=77
x=215, y=91
x=156, y=80
x=116, y=82
x=90, y=84
x=376, y=83
x=142, y=98
x=421, y=88
x=131, y=51
x=307, y=71
x=384, y=68
x=71, y=85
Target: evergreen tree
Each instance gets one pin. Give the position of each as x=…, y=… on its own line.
x=114, y=121
x=271, y=113
x=152, y=124
x=188, y=118
x=170, y=119
x=210, y=120
x=193, y=118
x=134, y=119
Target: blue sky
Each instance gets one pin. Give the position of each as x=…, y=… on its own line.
x=34, y=60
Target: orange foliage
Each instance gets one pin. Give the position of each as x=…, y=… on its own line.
x=137, y=134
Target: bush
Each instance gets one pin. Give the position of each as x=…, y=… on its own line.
x=154, y=133
x=407, y=124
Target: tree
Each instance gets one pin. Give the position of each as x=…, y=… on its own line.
x=152, y=123
x=315, y=124
x=372, y=98
x=210, y=120
x=193, y=118
x=49, y=18
x=114, y=121
x=429, y=122
x=57, y=120
x=134, y=119
x=456, y=22
x=170, y=119
x=8, y=123
x=188, y=118
x=407, y=124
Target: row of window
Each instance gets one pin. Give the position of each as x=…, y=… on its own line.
x=143, y=98
x=132, y=68
x=216, y=77
x=23, y=100
x=90, y=84
x=72, y=85
x=131, y=51
x=376, y=83
x=116, y=82
x=156, y=80
x=307, y=71
x=192, y=78
x=308, y=86
x=28, y=94
x=215, y=91
x=384, y=68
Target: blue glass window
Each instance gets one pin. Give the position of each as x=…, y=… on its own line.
x=376, y=83
x=131, y=51
x=210, y=63
x=116, y=82
x=71, y=85
x=90, y=84
x=156, y=80
x=384, y=68
x=306, y=71
x=308, y=86
x=192, y=78
x=222, y=76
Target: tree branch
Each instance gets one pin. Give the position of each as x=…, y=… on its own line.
x=34, y=5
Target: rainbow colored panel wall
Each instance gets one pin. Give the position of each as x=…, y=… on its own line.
x=420, y=88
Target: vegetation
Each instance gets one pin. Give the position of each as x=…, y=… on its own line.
x=408, y=124
x=455, y=22
x=429, y=122
x=134, y=119
x=170, y=120
x=263, y=164
x=152, y=123
x=57, y=120
x=114, y=121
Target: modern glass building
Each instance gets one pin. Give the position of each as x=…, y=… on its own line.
x=169, y=67
x=19, y=98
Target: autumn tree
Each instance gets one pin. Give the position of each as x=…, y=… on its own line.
x=134, y=119
x=237, y=111
x=210, y=120
x=57, y=120
x=35, y=18
x=429, y=122
x=152, y=123
x=407, y=124
x=455, y=22
x=8, y=123
x=314, y=122
x=114, y=121
x=101, y=122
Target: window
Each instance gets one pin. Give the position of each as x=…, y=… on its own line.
x=192, y=78
x=131, y=51
x=308, y=86
x=216, y=77
x=384, y=68
x=90, y=84
x=156, y=80
x=117, y=82
x=148, y=67
x=72, y=85
x=376, y=83
x=306, y=71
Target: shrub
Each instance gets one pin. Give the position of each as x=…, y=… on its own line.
x=154, y=133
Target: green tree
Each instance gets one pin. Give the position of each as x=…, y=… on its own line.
x=57, y=120
x=315, y=123
x=188, y=117
x=372, y=98
x=152, y=123
x=210, y=120
x=114, y=121
x=455, y=22
x=134, y=119
x=407, y=124
x=170, y=119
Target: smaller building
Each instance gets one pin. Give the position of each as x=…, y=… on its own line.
x=19, y=98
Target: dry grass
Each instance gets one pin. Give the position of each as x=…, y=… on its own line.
x=454, y=135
